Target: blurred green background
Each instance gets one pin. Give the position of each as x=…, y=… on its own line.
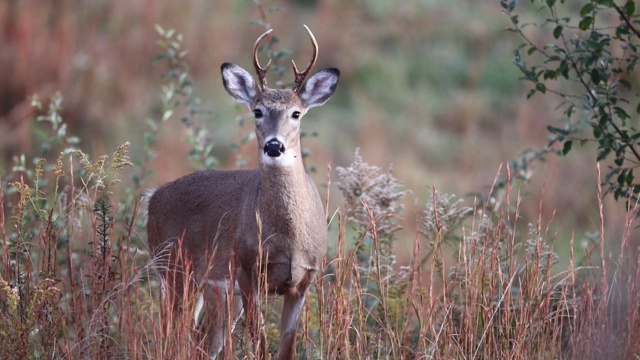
x=427, y=85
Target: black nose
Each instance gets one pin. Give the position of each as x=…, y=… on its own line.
x=273, y=148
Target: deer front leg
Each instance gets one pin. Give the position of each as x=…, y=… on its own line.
x=291, y=309
x=254, y=320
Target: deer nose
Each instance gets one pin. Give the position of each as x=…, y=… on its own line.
x=274, y=148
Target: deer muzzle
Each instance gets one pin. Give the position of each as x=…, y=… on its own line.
x=274, y=148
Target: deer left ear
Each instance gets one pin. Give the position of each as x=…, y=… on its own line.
x=319, y=88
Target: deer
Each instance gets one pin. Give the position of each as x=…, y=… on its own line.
x=236, y=226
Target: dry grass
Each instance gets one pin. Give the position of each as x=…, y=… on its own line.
x=77, y=283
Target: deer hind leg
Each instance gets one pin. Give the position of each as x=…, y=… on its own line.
x=216, y=314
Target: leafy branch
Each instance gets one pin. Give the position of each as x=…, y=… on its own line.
x=588, y=63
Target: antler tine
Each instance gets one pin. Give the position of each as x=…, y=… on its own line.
x=262, y=73
x=300, y=76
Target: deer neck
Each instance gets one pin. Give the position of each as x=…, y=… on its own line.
x=284, y=193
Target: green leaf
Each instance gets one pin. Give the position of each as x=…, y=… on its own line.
x=541, y=87
x=567, y=147
x=603, y=153
x=587, y=9
x=73, y=140
x=248, y=137
x=151, y=123
x=148, y=138
x=604, y=118
x=166, y=115
x=607, y=3
x=62, y=131
x=621, y=113
x=622, y=177
x=549, y=74
x=585, y=23
x=159, y=29
x=564, y=69
x=597, y=132
x=557, y=130
x=533, y=92
x=625, y=83
x=557, y=31
x=596, y=77
x=550, y=3
x=630, y=7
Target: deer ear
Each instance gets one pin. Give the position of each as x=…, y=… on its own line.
x=319, y=88
x=239, y=83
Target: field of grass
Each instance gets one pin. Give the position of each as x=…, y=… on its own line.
x=467, y=260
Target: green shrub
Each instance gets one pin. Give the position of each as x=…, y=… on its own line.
x=589, y=65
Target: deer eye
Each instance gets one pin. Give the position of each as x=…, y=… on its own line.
x=296, y=115
x=257, y=113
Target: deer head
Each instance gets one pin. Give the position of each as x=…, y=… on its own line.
x=278, y=111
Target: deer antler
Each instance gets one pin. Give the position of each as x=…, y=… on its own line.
x=262, y=73
x=300, y=76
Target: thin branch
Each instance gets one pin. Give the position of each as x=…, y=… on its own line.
x=626, y=20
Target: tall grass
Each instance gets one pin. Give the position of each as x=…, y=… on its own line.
x=77, y=282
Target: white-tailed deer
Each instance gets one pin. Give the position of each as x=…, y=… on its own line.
x=236, y=226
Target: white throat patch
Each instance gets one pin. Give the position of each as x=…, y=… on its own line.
x=288, y=158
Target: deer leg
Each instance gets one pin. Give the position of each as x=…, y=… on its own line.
x=218, y=314
x=209, y=320
x=291, y=309
x=238, y=310
x=255, y=322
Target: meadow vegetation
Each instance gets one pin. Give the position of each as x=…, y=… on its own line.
x=414, y=270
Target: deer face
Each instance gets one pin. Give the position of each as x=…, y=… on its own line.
x=278, y=111
x=277, y=114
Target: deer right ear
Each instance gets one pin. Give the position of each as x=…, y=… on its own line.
x=239, y=83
